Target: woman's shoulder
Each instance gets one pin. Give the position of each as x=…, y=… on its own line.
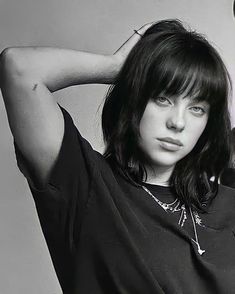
x=225, y=200
x=228, y=177
x=226, y=194
x=226, y=189
x=221, y=212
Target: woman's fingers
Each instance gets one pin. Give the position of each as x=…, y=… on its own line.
x=122, y=53
x=146, y=26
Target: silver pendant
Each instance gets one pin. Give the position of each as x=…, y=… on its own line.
x=199, y=250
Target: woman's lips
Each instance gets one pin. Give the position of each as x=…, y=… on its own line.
x=171, y=140
x=170, y=144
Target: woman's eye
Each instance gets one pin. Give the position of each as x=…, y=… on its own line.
x=163, y=101
x=198, y=110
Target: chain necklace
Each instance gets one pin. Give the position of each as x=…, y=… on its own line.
x=176, y=206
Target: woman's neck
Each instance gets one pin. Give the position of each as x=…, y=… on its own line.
x=159, y=176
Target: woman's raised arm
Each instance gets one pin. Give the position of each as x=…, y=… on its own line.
x=29, y=75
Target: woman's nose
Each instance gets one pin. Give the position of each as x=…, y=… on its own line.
x=176, y=120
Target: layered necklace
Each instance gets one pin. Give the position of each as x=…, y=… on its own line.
x=177, y=206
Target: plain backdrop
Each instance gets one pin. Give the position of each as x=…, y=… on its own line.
x=96, y=26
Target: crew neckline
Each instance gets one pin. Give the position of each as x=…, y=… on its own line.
x=159, y=190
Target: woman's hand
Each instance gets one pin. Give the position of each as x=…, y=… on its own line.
x=121, y=54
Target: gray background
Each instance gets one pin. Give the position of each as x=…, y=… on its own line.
x=96, y=26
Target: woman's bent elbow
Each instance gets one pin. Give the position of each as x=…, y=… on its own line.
x=10, y=63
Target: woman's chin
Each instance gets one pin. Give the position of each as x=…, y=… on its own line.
x=163, y=159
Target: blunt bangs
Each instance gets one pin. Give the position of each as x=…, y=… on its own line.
x=187, y=65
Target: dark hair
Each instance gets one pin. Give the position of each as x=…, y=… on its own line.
x=232, y=140
x=233, y=137
x=171, y=60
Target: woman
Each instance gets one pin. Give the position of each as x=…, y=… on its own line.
x=144, y=217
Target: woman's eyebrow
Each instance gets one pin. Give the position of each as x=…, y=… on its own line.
x=197, y=98
x=200, y=100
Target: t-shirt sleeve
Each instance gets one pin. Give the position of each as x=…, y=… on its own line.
x=62, y=203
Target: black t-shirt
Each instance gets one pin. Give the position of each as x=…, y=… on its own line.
x=228, y=177
x=106, y=235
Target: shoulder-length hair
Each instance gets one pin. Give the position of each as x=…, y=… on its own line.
x=170, y=60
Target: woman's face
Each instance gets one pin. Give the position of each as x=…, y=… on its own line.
x=170, y=128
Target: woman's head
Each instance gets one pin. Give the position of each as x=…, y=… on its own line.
x=180, y=66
